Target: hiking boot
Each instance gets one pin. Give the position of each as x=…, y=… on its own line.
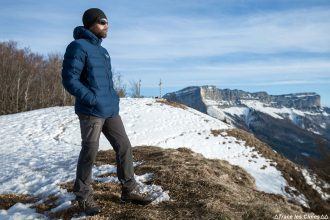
x=136, y=196
x=89, y=206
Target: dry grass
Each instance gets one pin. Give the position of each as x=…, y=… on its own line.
x=199, y=188
x=47, y=205
x=8, y=200
x=171, y=103
x=288, y=168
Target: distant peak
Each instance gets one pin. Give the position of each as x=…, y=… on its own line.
x=304, y=100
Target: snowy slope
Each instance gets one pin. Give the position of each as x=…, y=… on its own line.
x=279, y=113
x=39, y=149
x=215, y=109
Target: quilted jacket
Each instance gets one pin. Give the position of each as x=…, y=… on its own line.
x=86, y=74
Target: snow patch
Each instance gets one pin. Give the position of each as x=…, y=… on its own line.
x=20, y=211
x=312, y=180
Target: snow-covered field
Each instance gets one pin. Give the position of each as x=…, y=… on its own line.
x=39, y=149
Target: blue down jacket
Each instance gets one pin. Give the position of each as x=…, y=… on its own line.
x=86, y=74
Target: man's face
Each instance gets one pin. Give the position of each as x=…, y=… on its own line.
x=100, y=28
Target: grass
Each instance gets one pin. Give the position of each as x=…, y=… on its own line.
x=293, y=176
x=171, y=103
x=8, y=200
x=199, y=188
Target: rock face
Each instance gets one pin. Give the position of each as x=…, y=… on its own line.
x=292, y=124
x=234, y=97
x=190, y=96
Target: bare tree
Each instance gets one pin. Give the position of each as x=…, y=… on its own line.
x=26, y=94
x=29, y=81
x=135, y=88
x=119, y=85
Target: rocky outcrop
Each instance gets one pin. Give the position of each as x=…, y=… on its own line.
x=234, y=97
x=190, y=96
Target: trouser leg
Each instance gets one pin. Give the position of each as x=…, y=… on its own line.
x=114, y=131
x=90, y=128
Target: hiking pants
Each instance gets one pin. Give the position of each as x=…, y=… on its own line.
x=113, y=129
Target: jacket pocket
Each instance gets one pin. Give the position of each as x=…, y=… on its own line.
x=93, y=107
x=89, y=99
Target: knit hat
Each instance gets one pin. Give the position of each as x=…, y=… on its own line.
x=91, y=16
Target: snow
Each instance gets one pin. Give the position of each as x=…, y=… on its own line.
x=301, y=199
x=313, y=131
x=36, y=157
x=218, y=110
x=277, y=112
x=300, y=95
x=239, y=111
x=210, y=102
x=315, y=183
x=157, y=191
x=20, y=211
x=186, y=91
x=216, y=113
x=40, y=149
x=305, y=154
x=325, y=114
x=221, y=113
x=323, y=125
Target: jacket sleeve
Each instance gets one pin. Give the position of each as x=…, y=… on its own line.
x=73, y=65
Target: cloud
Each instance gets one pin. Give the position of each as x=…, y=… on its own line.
x=283, y=83
x=185, y=50
x=207, y=42
x=174, y=37
x=267, y=72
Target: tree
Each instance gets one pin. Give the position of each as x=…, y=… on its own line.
x=29, y=81
x=119, y=86
x=135, y=88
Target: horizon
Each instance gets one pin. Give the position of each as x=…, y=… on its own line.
x=278, y=47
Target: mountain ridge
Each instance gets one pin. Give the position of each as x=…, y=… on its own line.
x=303, y=101
x=299, y=120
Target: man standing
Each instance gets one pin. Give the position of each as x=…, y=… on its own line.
x=87, y=75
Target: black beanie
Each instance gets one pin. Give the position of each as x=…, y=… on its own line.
x=91, y=16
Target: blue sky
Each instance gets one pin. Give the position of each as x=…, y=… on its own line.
x=275, y=46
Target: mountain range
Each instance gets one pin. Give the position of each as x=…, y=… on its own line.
x=294, y=125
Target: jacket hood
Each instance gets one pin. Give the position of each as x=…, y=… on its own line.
x=81, y=32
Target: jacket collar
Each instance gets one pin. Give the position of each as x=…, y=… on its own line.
x=81, y=32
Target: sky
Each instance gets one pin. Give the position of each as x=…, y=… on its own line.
x=278, y=46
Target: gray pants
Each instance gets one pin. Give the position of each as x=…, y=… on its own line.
x=113, y=129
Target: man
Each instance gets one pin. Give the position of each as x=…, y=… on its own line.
x=87, y=75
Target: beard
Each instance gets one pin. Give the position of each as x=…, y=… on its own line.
x=102, y=34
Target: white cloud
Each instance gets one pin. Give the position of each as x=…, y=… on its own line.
x=177, y=47
x=149, y=48
x=177, y=37
x=269, y=72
